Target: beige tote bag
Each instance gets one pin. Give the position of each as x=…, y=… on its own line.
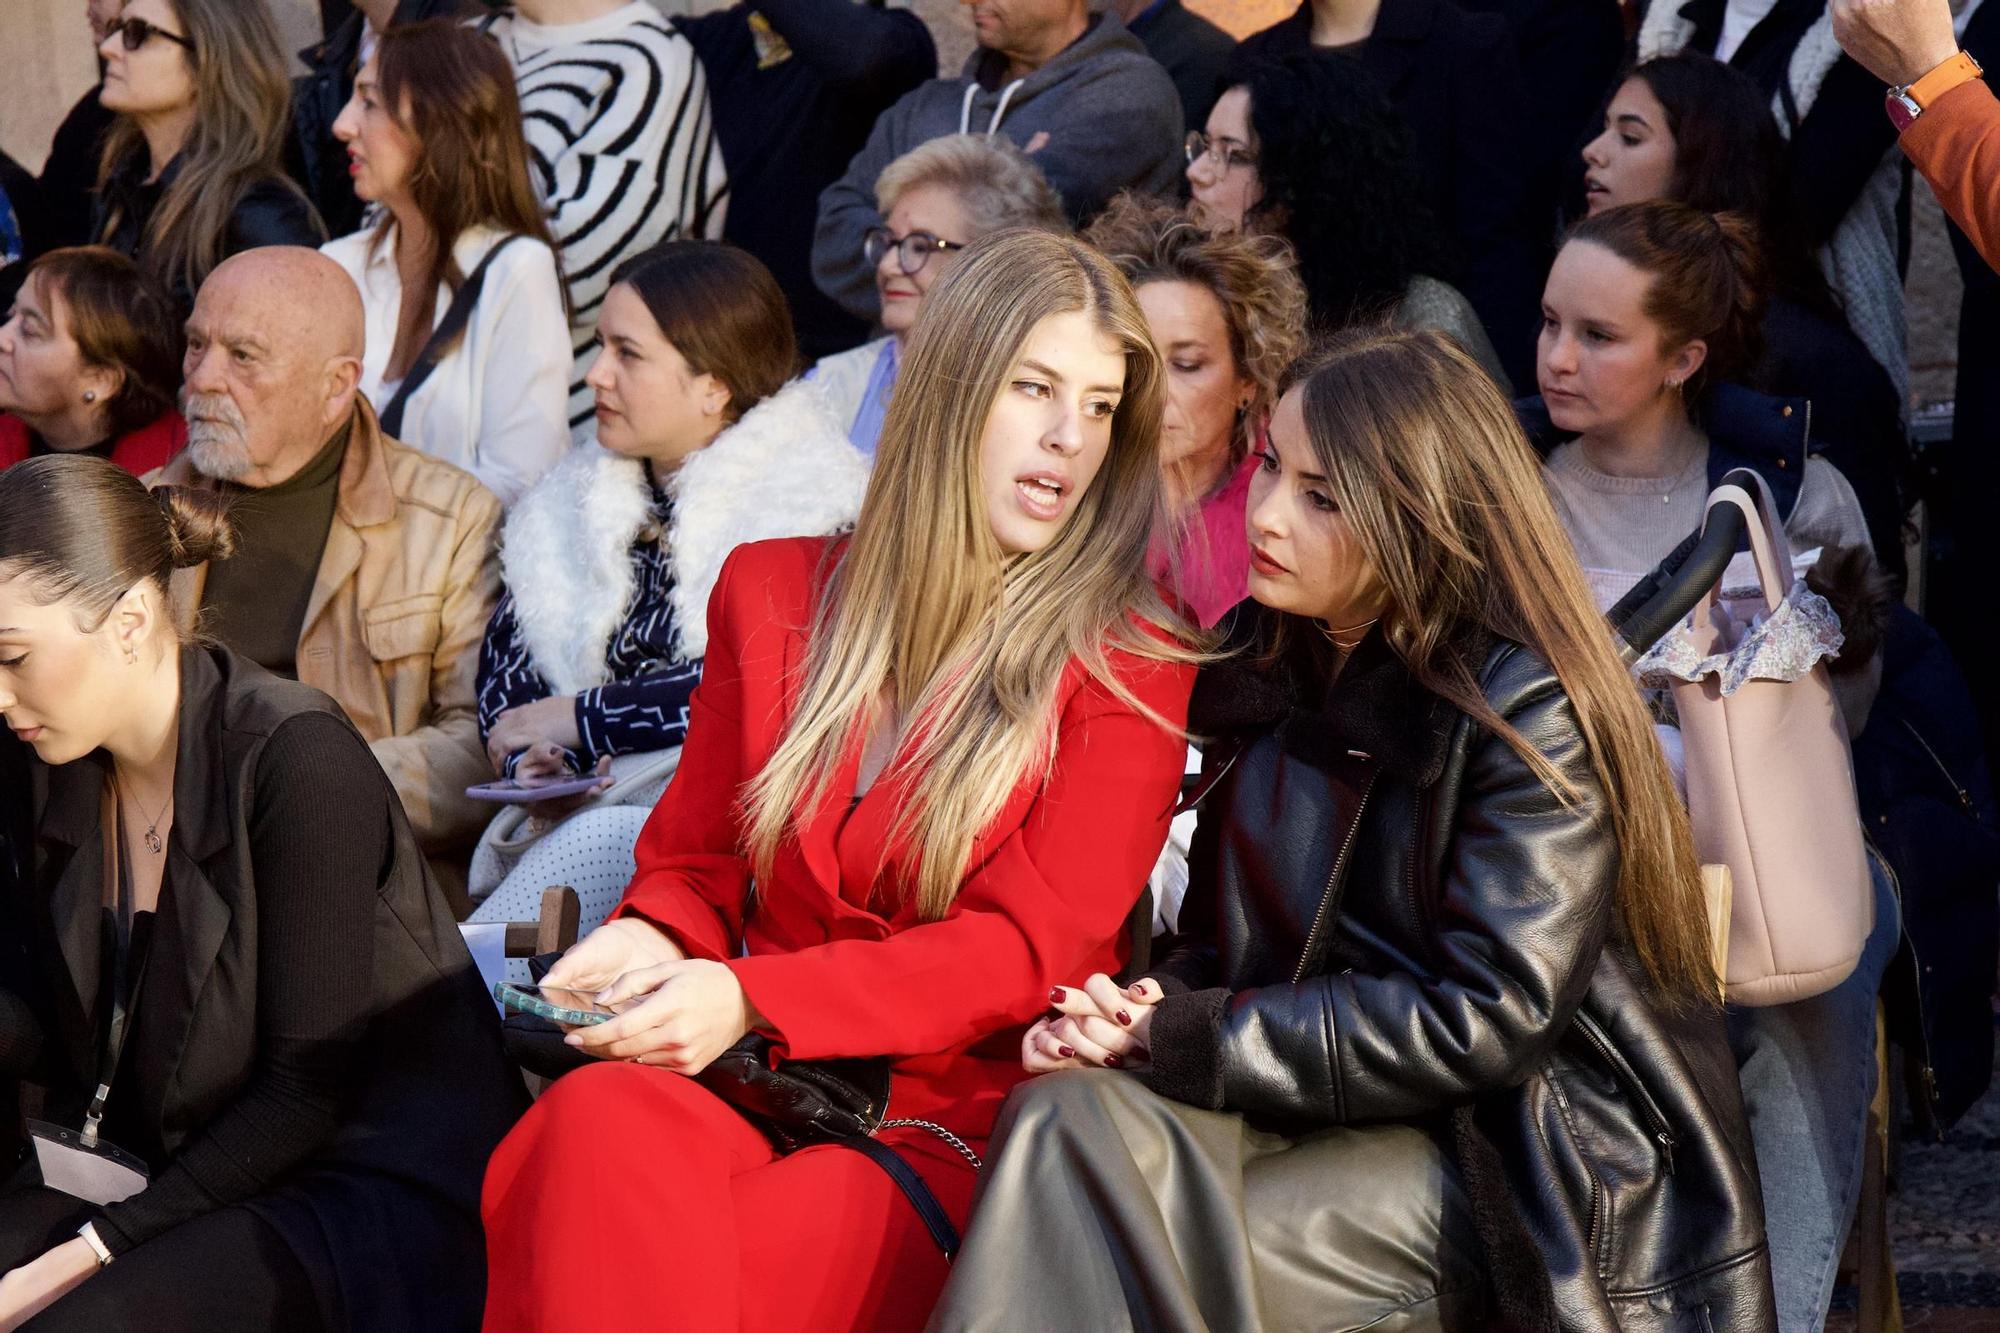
x=1770, y=778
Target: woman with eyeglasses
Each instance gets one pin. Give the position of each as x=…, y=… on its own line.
x=1308, y=147
x=936, y=199
x=191, y=169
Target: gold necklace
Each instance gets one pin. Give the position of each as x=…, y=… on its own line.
x=1334, y=634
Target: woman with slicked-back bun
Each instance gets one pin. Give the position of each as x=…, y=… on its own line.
x=286, y=1105
x=198, y=528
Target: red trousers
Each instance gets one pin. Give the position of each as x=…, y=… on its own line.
x=632, y=1199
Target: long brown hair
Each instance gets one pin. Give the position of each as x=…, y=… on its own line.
x=1442, y=490
x=967, y=643
x=242, y=109
x=451, y=89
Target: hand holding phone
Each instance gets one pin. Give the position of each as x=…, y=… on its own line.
x=558, y=1004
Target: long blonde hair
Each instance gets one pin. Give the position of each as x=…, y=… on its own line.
x=927, y=613
x=242, y=109
x=1442, y=490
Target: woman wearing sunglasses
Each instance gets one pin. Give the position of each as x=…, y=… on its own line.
x=190, y=173
x=936, y=199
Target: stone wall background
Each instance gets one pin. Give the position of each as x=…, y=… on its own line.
x=46, y=63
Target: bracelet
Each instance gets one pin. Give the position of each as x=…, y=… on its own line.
x=89, y=1233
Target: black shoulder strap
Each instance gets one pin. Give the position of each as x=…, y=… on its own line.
x=442, y=338
x=919, y=1194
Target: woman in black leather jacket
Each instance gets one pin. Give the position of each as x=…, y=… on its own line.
x=1438, y=1044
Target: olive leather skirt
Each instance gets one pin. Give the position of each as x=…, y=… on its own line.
x=1105, y=1206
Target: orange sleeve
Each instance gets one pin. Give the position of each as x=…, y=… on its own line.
x=1955, y=143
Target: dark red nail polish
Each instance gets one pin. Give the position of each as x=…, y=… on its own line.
x=1113, y=1061
x=1056, y=995
x=1065, y=1052
x=1124, y=1018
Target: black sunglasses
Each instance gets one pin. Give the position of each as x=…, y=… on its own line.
x=137, y=32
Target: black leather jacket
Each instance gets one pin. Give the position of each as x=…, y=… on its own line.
x=1390, y=917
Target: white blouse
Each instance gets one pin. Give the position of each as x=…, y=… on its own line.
x=497, y=405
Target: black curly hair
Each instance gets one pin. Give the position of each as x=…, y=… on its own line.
x=1339, y=183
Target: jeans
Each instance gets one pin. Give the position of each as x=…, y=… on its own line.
x=1808, y=1074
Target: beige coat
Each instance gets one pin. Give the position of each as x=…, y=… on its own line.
x=406, y=585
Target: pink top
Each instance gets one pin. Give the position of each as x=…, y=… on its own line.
x=1207, y=563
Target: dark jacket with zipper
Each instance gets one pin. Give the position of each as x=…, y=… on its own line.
x=1391, y=917
x=1927, y=802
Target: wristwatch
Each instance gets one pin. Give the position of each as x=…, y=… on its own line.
x=1906, y=103
x=97, y=1247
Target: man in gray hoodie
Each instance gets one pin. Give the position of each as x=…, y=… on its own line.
x=1076, y=90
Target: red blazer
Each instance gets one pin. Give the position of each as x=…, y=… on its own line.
x=138, y=453
x=839, y=968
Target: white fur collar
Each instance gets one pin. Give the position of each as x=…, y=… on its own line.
x=785, y=470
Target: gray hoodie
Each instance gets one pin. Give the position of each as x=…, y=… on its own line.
x=1112, y=118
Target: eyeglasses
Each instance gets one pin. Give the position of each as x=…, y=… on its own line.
x=1220, y=152
x=137, y=32
x=912, y=251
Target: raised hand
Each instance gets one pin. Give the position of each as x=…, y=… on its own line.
x=1898, y=41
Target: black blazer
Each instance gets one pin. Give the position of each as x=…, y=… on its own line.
x=1390, y=917
x=1455, y=79
x=363, y=1143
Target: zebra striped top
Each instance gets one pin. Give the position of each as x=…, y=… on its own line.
x=623, y=149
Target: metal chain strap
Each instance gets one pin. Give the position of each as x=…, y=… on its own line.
x=952, y=1140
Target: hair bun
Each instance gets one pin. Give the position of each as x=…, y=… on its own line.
x=198, y=527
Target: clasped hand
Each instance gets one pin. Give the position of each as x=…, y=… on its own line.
x=677, y=1012
x=1099, y=1024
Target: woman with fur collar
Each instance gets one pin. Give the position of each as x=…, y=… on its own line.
x=609, y=560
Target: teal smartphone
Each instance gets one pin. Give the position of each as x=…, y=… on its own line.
x=571, y=1008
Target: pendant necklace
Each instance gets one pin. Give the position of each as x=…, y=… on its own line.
x=154, y=844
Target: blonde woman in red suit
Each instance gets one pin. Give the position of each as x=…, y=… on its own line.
x=944, y=750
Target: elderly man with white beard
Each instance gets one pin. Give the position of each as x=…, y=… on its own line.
x=361, y=566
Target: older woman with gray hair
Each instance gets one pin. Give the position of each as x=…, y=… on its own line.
x=936, y=199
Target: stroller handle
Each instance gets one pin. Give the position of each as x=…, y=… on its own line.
x=1658, y=601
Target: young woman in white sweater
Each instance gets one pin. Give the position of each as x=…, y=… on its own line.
x=433, y=135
